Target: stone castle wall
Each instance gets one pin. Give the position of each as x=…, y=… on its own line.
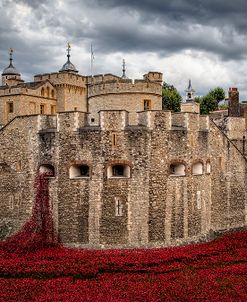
x=158, y=207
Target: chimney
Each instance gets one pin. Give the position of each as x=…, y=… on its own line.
x=233, y=105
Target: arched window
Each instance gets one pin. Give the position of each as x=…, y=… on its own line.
x=42, y=91
x=76, y=171
x=177, y=169
x=48, y=92
x=118, y=171
x=208, y=168
x=52, y=94
x=47, y=169
x=197, y=168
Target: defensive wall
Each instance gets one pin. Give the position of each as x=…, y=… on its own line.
x=169, y=179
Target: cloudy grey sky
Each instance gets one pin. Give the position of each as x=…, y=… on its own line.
x=201, y=40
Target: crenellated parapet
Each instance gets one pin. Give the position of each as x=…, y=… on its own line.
x=118, y=120
x=119, y=86
x=58, y=78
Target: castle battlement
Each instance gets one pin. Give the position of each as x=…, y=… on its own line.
x=121, y=170
x=118, y=120
x=123, y=86
x=57, y=78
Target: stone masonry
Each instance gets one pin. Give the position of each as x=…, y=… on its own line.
x=123, y=171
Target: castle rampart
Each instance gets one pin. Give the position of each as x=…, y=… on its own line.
x=169, y=179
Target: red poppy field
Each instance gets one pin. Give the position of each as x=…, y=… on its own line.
x=34, y=267
x=215, y=271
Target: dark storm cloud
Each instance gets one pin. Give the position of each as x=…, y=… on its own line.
x=158, y=26
x=228, y=18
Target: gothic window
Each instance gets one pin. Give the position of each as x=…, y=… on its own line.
x=118, y=207
x=76, y=171
x=118, y=170
x=197, y=168
x=147, y=105
x=177, y=169
x=43, y=92
x=52, y=94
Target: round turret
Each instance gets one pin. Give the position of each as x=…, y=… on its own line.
x=11, y=76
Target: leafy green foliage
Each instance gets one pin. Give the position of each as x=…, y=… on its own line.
x=210, y=101
x=171, y=99
x=217, y=94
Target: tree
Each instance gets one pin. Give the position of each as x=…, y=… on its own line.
x=210, y=101
x=217, y=94
x=171, y=99
x=208, y=104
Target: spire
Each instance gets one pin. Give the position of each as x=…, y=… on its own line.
x=190, y=86
x=11, y=70
x=68, y=66
x=190, y=93
x=124, y=70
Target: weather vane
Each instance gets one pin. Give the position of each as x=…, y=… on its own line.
x=68, y=49
x=10, y=55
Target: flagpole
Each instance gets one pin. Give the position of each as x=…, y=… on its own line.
x=92, y=58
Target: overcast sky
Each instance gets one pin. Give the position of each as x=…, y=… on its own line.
x=201, y=40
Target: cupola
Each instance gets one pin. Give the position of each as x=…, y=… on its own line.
x=68, y=66
x=190, y=93
x=11, y=76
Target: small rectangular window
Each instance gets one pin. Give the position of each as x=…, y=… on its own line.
x=118, y=207
x=147, y=104
x=198, y=200
x=118, y=170
x=53, y=109
x=10, y=107
x=42, y=109
x=114, y=139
